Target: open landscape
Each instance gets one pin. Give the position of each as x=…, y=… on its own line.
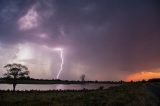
x=79, y=53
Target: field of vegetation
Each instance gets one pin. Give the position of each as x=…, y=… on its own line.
x=134, y=94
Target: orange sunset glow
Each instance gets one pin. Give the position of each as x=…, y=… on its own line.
x=143, y=76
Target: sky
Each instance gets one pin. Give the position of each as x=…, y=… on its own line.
x=103, y=39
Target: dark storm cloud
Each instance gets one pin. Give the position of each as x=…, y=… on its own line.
x=10, y=11
x=120, y=36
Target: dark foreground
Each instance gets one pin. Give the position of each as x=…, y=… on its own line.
x=125, y=95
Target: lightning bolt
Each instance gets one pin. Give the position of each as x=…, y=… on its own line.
x=62, y=61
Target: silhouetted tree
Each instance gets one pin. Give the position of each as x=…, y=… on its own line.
x=15, y=71
x=82, y=77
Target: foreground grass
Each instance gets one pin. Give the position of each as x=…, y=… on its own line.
x=125, y=95
x=157, y=84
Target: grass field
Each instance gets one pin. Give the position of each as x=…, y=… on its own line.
x=125, y=95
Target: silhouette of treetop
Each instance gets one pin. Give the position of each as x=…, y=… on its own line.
x=16, y=71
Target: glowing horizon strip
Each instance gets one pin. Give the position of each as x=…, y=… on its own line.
x=62, y=61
